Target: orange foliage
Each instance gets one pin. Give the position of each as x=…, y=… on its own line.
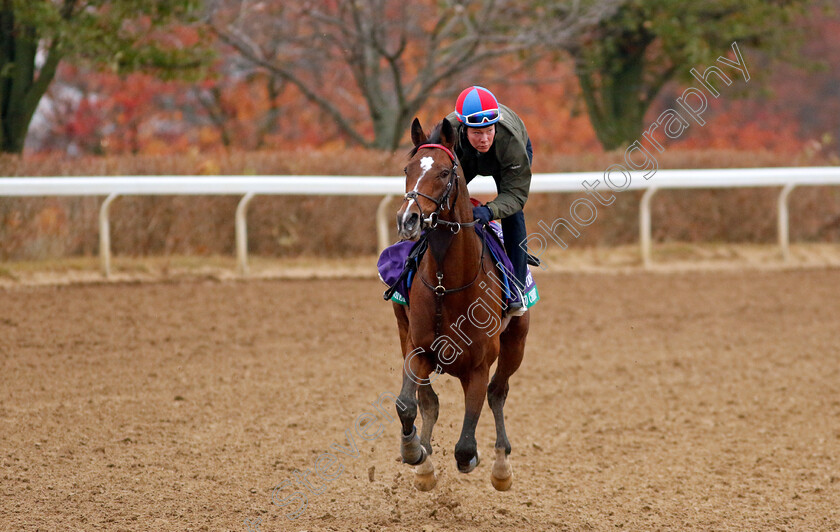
x=553, y=113
x=737, y=125
x=141, y=114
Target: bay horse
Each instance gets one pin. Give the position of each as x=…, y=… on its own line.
x=454, y=323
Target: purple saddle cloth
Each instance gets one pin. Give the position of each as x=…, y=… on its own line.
x=395, y=259
x=392, y=261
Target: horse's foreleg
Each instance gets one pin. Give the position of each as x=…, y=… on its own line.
x=466, y=450
x=413, y=449
x=416, y=370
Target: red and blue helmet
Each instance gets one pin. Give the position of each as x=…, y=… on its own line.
x=477, y=107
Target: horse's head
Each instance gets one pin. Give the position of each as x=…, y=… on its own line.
x=430, y=179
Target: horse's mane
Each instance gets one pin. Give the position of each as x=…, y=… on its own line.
x=434, y=138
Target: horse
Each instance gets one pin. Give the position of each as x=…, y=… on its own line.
x=454, y=323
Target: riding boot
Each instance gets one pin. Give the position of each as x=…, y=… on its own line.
x=513, y=229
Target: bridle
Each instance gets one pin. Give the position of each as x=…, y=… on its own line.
x=434, y=220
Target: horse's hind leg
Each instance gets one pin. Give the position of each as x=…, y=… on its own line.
x=510, y=357
x=424, y=474
x=502, y=474
x=429, y=406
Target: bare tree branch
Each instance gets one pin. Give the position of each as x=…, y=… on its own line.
x=392, y=57
x=308, y=92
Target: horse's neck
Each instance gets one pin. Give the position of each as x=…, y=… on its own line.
x=462, y=207
x=456, y=255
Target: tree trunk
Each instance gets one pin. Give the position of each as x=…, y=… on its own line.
x=386, y=130
x=268, y=125
x=20, y=89
x=14, y=136
x=618, y=101
x=390, y=126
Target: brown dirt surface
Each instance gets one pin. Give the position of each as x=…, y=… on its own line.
x=646, y=401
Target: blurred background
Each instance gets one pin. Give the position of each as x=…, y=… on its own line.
x=245, y=87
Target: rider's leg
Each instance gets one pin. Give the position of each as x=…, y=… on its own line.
x=513, y=228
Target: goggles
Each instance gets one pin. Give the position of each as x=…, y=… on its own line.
x=482, y=117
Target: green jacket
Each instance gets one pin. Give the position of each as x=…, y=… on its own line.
x=506, y=162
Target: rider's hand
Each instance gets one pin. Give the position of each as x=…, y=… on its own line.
x=483, y=214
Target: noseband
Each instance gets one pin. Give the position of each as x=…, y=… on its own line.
x=434, y=218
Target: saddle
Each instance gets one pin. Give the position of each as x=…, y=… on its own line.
x=398, y=265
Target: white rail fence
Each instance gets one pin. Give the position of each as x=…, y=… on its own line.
x=390, y=187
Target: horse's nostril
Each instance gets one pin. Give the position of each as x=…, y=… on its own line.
x=412, y=221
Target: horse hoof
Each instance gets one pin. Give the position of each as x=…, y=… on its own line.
x=424, y=475
x=473, y=463
x=501, y=484
x=425, y=482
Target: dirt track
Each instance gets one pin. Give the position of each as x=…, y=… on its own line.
x=685, y=401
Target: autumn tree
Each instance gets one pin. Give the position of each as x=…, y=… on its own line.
x=623, y=60
x=37, y=35
x=370, y=65
x=241, y=101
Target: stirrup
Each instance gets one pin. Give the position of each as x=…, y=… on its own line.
x=514, y=311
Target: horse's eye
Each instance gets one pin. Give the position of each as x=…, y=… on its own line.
x=445, y=173
x=405, y=170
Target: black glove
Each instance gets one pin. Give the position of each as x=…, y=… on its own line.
x=483, y=214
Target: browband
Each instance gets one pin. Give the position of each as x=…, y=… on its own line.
x=441, y=146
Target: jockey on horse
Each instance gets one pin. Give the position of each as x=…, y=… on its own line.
x=455, y=322
x=492, y=140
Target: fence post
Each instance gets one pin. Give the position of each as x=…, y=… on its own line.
x=242, y=233
x=105, y=236
x=784, y=221
x=382, y=223
x=644, y=226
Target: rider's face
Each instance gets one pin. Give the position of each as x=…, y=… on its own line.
x=481, y=138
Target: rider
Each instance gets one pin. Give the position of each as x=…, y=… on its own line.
x=492, y=141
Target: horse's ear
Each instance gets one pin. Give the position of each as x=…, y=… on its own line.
x=418, y=136
x=447, y=134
